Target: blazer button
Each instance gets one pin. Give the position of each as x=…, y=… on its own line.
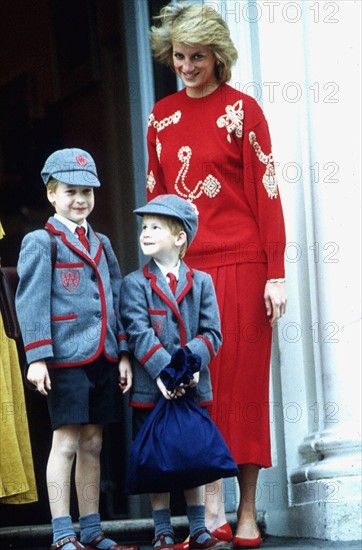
x=93, y=277
x=96, y=296
x=99, y=315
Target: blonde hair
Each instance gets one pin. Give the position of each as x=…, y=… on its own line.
x=175, y=226
x=193, y=24
x=52, y=184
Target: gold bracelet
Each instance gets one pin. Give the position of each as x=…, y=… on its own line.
x=276, y=281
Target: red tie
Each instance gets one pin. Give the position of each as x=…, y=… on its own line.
x=82, y=237
x=172, y=283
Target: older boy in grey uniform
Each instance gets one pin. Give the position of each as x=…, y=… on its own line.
x=74, y=342
x=165, y=306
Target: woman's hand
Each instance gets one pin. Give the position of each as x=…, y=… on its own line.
x=38, y=375
x=275, y=297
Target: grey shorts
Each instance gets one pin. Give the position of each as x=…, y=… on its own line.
x=85, y=395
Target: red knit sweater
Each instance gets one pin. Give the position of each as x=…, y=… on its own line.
x=216, y=152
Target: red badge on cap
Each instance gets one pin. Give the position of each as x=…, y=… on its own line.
x=81, y=160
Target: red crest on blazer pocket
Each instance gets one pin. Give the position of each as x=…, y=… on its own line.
x=157, y=326
x=70, y=279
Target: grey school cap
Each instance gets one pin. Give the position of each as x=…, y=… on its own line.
x=172, y=205
x=71, y=166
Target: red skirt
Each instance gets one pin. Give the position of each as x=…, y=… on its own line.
x=240, y=372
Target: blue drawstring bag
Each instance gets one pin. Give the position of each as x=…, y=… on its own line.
x=178, y=446
x=181, y=369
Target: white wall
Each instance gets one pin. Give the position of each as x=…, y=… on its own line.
x=301, y=60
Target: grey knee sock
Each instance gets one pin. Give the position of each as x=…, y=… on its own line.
x=90, y=529
x=196, y=517
x=162, y=521
x=63, y=528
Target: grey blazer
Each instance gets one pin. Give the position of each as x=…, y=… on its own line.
x=69, y=315
x=158, y=323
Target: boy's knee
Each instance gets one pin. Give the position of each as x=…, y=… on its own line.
x=91, y=442
x=65, y=442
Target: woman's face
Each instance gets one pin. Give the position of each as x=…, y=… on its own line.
x=195, y=65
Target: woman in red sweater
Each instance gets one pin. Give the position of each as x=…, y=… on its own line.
x=210, y=144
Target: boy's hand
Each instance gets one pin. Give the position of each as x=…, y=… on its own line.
x=39, y=376
x=194, y=381
x=125, y=374
x=178, y=392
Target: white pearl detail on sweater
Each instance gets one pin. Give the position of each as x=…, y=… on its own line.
x=210, y=185
x=172, y=119
x=233, y=120
x=269, y=179
x=151, y=182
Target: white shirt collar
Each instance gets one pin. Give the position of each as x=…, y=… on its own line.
x=69, y=224
x=165, y=271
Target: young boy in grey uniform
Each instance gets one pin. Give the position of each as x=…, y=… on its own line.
x=74, y=342
x=166, y=306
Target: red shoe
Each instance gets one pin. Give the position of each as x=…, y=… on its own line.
x=239, y=542
x=182, y=545
x=223, y=532
x=208, y=544
x=72, y=540
x=163, y=544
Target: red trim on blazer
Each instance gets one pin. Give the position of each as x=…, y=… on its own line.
x=190, y=282
x=167, y=300
x=103, y=309
x=66, y=265
x=38, y=344
x=97, y=257
x=93, y=263
x=142, y=405
x=150, y=353
x=85, y=362
x=157, y=312
x=84, y=255
x=64, y=317
x=208, y=344
x=110, y=359
x=205, y=403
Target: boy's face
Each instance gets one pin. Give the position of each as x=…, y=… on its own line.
x=74, y=202
x=158, y=242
